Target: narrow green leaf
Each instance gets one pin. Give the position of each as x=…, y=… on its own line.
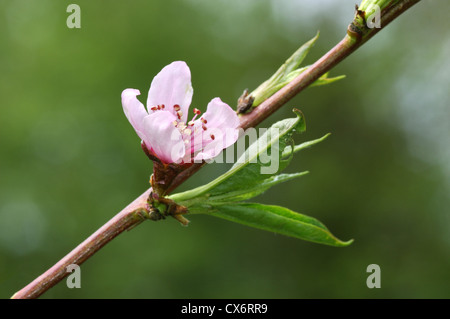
x=297, y=58
x=325, y=80
x=288, y=150
x=279, y=220
x=241, y=194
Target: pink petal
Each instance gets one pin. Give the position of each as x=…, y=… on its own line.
x=134, y=110
x=211, y=147
x=172, y=86
x=162, y=137
x=221, y=131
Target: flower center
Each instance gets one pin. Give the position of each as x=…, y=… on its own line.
x=188, y=131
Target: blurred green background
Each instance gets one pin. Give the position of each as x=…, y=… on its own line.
x=69, y=159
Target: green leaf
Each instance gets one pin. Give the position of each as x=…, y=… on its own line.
x=222, y=197
x=279, y=220
x=324, y=80
x=250, y=174
x=241, y=194
x=288, y=150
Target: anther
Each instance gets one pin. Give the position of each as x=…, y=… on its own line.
x=204, y=127
x=212, y=137
x=197, y=111
x=203, y=120
x=176, y=107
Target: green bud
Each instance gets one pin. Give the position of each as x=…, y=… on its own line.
x=284, y=74
x=370, y=6
x=368, y=17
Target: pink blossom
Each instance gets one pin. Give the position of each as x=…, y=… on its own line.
x=164, y=127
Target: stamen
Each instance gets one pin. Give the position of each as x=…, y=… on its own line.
x=179, y=114
x=191, y=123
x=154, y=108
x=162, y=106
x=176, y=107
x=204, y=127
x=197, y=112
x=212, y=137
x=203, y=120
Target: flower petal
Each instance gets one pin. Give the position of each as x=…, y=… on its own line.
x=134, y=110
x=162, y=137
x=221, y=123
x=172, y=86
x=220, y=115
x=213, y=146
